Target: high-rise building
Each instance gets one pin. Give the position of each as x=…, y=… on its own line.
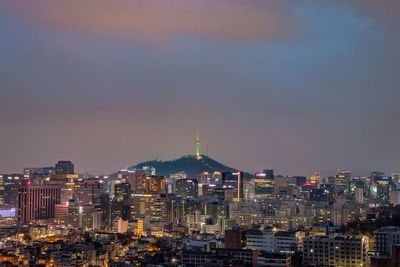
x=153, y=185
x=37, y=202
x=186, y=188
x=342, y=182
x=264, y=185
x=134, y=178
x=359, y=195
x=149, y=206
x=385, y=238
x=121, y=201
x=234, y=180
x=11, y=183
x=81, y=216
x=383, y=187
x=89, y=191
x=64, y=167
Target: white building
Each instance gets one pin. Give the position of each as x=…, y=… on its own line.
x=339, y=250
x=279, y=242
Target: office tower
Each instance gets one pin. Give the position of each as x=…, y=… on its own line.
x=342, y=182
x=89, y=190
x=37, y=202
x=153, y=185
x=81, y=216
x=11, y=184
x=106, y=208
x=383, y=187
x=234, y=180
x=152, y=207
x=340, y=250
x=342, y=177
x=61, y=213
x=121, y=201
x=97, y=218
x=264, y=185
x=134, y=178
x=385, y=238
x=175, y=209
x=41, y=171
x=186, y=188
x=64, y=167
x=359, y=195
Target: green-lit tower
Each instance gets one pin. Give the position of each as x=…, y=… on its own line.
x=197, y=145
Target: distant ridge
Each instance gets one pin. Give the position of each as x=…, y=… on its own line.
x=189, y=164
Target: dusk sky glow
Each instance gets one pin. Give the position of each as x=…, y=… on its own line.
x=296, y=86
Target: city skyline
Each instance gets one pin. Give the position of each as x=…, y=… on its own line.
x=295, y=86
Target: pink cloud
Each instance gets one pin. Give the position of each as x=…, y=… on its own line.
x=158, y=19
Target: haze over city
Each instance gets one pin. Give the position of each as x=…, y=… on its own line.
x=296, y=86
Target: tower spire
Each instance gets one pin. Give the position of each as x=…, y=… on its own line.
x=197, y=145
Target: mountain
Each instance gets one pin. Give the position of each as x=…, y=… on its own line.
x=189, y=164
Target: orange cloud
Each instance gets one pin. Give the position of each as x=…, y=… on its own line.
x=154, y=19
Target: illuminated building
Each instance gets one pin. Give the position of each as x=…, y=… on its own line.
x=385, y=238
x=37, y=202
x=81, y=216
x=319, y=194
x=340, y=250
x=153, y=185
x=89, y=190
x=64, y=167
x=264, y=185
x=315, y=178
x=186, y=188
x=121, y=201
x=122, y=226
x=97, y=218
x=134, y=178
x=67, y=192
x=234, y=180
x=342, y=182
x=149, y=206
x=61, y=213
x=383, y=187
x=175, y=209
x=279, y=242
x=140, y=228
x=359, y=195
x=11, y=184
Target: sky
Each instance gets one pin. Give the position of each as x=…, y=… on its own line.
x=293, y=85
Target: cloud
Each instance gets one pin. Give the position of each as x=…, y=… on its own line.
x=159, y=19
